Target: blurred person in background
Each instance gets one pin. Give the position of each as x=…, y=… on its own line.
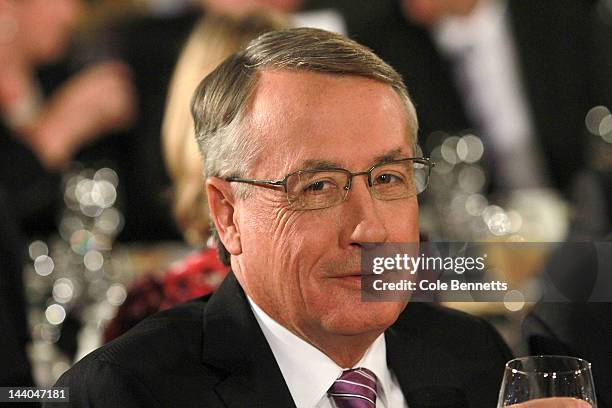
x=215, y=37
x=39, y=134
x=522, y=75
x=150, y=44
x=148, y=37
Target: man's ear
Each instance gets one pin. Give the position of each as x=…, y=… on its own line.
x=221, y=204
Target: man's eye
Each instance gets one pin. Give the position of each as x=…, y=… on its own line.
x=387, y=179
x=318, y=186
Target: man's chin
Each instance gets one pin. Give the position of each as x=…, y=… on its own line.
x=363, y=317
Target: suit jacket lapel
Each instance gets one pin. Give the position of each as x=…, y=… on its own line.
x=234, y=344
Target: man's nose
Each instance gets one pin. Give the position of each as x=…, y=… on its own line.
x=364, y=218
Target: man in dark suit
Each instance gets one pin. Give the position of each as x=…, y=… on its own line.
x=279, y=124
x=468, y=62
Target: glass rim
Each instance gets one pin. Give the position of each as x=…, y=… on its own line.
x=584, y=364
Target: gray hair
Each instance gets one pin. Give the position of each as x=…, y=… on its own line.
x=220, y=101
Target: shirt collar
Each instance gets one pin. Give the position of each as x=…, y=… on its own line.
x=307, y=371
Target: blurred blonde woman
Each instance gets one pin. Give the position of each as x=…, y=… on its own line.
x=213, y=39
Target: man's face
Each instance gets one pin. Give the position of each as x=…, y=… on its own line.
x=303, y=267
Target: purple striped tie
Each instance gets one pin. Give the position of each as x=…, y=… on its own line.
x=355, y=388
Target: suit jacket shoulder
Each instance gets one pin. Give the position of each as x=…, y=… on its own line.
x=208, y=352
x=156, y=364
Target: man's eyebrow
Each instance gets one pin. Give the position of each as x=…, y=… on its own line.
x=394, y=154
x=318, y=164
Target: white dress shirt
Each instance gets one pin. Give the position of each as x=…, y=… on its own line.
x=309, y=373
x=487, y=72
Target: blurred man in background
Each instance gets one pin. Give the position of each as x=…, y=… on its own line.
x=522, y=75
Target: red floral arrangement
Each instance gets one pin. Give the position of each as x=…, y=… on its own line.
x=195, y=276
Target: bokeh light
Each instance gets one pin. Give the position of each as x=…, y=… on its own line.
x=116, y=294
x=55, y=314
x=63, y=290
x=43, y=265
x=37, y=248
x=594, y=118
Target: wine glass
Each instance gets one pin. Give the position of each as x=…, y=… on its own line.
x=537, y=377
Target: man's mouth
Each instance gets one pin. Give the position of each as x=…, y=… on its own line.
x=353, y=278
